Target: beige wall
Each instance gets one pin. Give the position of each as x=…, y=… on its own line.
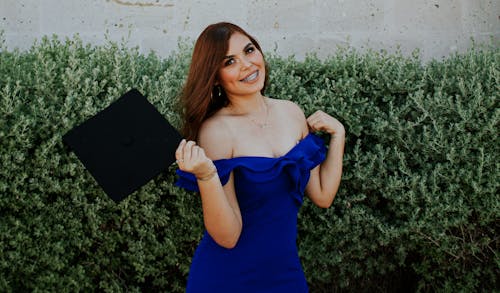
x=436, y=27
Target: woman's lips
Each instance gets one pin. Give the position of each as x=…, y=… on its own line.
x=251, y=77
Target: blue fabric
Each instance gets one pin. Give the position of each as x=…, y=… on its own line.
x=270, y=192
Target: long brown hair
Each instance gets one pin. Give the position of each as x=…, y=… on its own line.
x=200, y=98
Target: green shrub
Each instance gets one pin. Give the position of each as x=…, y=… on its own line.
x=418, y=208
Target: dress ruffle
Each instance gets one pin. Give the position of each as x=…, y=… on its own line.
x=298, y=162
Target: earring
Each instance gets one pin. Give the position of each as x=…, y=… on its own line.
x=212, y=93
x=219, y=89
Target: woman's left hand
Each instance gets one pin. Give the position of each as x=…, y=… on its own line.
x=320, y=121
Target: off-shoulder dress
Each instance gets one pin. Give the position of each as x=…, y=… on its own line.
x=270, y=192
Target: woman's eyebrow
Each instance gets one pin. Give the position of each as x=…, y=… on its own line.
x=244, y=49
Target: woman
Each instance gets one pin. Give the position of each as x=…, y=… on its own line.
x=251, y=158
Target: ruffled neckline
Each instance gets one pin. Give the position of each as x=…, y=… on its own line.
x=298, y=161
x=292, y=149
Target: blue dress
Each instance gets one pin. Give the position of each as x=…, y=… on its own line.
x=269, y=192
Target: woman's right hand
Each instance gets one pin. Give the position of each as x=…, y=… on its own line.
x=191, y=158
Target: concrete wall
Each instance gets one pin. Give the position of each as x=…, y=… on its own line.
x=436, y=27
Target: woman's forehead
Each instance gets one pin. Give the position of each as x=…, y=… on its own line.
x=237, y=42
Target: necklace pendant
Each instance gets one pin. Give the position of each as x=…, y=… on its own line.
x=265, y=124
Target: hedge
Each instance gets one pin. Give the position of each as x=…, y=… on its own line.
x=418, y=208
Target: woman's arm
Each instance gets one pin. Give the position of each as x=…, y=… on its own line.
x=325, y=178
x=221, y=213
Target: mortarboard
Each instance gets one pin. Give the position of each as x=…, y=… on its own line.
x=125, y=145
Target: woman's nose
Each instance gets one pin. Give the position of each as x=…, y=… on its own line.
x=245, y=62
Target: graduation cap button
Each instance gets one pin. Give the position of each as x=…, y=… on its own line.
x=127, y=141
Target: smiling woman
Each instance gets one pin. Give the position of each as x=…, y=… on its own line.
x=203, y=95
x=252, y=159
x=243, y=71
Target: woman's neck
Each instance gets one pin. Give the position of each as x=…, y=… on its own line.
x=249, y=105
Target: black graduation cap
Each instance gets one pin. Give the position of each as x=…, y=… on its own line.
x=125, y=145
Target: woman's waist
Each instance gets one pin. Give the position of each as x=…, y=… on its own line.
x=273, y=235
x=257, y=251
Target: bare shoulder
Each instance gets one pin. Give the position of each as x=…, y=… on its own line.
x=292, y=113
x=215, y=138
x=289, y=107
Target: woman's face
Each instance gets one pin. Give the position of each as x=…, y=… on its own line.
x=243, y=69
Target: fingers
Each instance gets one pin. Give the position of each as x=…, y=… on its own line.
x=191, y=157
x=316, y=120
x=196, y=153
x=179, y=151
x=320, y=121
x=188, y=149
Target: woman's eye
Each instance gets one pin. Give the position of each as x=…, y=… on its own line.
x=250, y=50
x=229, y=62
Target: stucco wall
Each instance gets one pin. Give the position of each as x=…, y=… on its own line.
x=436, y=27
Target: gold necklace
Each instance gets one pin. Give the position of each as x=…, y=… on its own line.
x=265, y=124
